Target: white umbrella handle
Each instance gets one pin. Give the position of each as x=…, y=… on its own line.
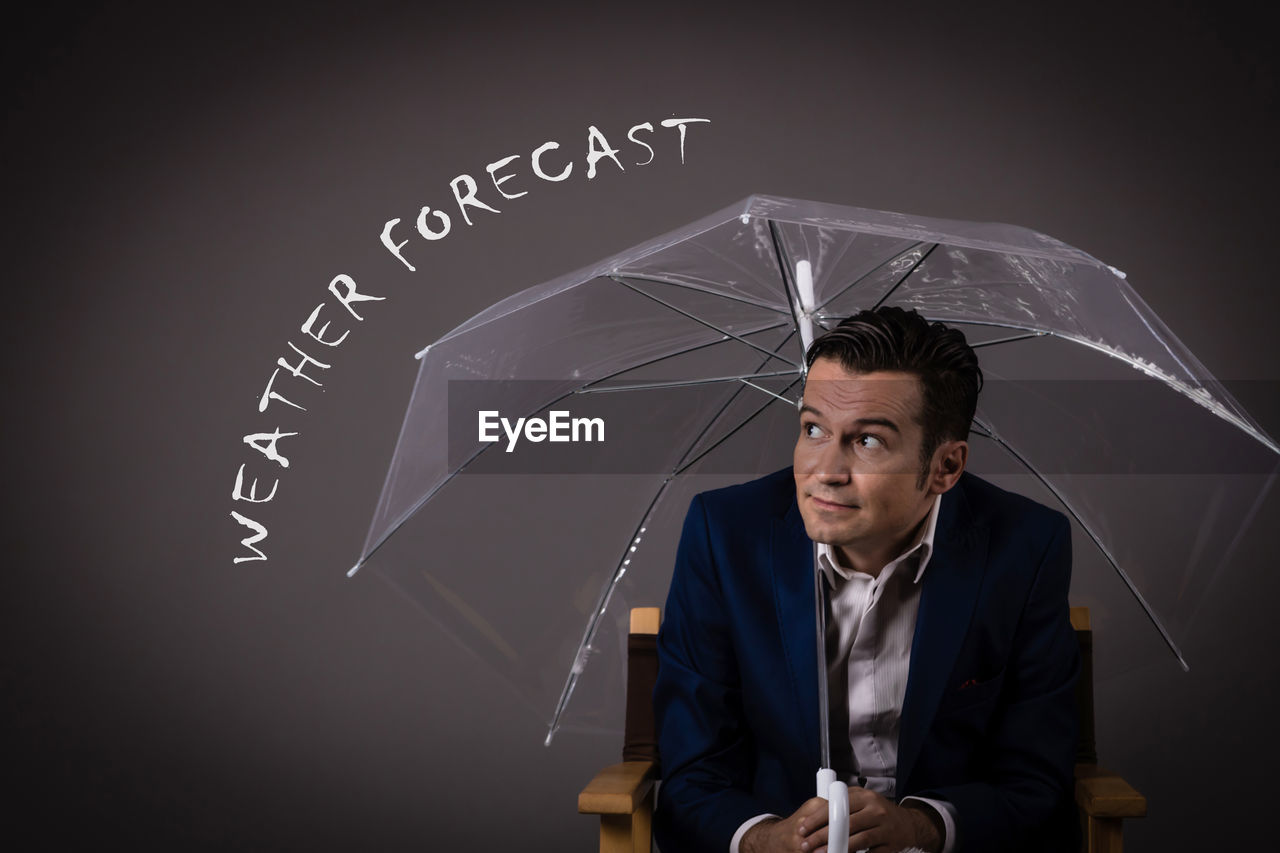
x=804, y=289
x=837, y=796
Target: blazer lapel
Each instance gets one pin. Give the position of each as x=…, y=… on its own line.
x=951, y=584
x=791, y=559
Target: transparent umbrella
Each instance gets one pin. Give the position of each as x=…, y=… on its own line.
x=552, y=443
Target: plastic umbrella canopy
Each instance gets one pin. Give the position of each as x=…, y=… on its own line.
x=553, y=442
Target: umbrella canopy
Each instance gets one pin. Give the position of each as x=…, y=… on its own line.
x=552, y=442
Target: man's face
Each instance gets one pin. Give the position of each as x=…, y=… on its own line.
x=857, y=462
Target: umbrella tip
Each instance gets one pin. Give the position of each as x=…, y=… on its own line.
x=1117, y=272
x=420, y=354
x=352, y=571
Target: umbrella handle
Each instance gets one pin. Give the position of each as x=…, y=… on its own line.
x=837, y=796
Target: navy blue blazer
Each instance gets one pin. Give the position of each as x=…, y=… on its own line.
x=988, y=721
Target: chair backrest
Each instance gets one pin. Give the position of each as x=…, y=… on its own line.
x=1087, y=747
x=640, y=742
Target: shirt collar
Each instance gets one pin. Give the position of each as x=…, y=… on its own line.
x=828, y=561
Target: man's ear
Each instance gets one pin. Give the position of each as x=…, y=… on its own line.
x=948, y=464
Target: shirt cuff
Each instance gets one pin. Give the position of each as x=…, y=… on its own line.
x=742, y=830
x=947, y=812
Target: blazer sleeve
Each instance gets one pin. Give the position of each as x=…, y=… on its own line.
x=1026, y=772
x=703, y=740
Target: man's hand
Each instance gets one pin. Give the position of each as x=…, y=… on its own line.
x=878, y=824
x=875, y=823
x=784, y=836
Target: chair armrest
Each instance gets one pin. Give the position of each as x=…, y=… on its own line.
x=617, y=789
x=1101, y=793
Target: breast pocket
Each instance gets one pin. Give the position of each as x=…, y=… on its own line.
x=963, y=699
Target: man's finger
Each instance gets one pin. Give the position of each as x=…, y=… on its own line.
x=816, y=841
x=872, y=814
x=866, y=809
x=859, y=797
x=867, y=839
x=813, y=814
x=813, y=805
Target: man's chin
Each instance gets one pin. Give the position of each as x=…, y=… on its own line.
x=823, y=534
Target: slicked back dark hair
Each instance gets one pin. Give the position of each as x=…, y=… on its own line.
x=892, y=338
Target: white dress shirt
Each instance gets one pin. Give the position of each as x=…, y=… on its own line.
x=869, y=635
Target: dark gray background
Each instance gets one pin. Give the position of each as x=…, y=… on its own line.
x=180, y=186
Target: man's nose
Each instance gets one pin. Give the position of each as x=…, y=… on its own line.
x=833, y=475
x=831, y=465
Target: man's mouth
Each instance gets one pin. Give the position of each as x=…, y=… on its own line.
x=824, y=503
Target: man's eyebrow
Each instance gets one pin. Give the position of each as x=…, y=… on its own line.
x=884, y=422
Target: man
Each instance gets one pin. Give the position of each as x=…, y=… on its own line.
x=951, y=658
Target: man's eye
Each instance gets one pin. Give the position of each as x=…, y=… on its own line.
x=871, y=442
x=811, y=430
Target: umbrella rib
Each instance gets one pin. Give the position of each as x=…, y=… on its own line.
x=1133, y=589
x=720, y=259
x=1159, y=337
x=998, y=325
x=905, y=276
x=434, y=490
x=1203, y=397
x=833, y=263
x=724, y=408
x=1009, y=339
x=602, y=605
x=410, y=513
x=865, y=275
x=699, y=320
x=744, y=300
x=681, y=383
x=1178, y=385
x=788, y=286
x=686, y=351
x=731, y=432
x=767, y=391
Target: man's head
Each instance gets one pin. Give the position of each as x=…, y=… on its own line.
x=895, y=339
x=887, y=406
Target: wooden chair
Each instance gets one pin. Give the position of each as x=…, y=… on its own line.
x=622, y=794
